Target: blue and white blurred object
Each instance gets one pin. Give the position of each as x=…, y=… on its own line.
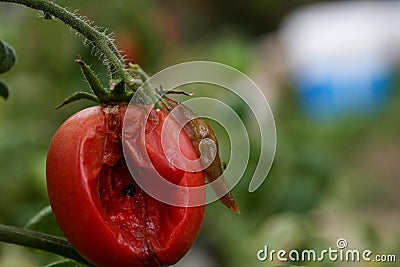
x=342, y=56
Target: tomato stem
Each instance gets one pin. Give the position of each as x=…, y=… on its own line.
x=41, y=241
x=99, y=39
x=103, y=43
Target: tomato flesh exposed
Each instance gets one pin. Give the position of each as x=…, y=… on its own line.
x=101, y=209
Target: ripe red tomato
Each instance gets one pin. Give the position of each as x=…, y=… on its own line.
x=99, y=206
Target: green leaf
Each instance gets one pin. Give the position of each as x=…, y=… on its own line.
x=3, y=90
x=65, y=263
x=45, y=222
x=7, y=57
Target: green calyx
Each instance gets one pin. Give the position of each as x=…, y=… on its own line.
x=119, y=91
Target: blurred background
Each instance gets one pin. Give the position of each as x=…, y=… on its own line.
x=328, y=68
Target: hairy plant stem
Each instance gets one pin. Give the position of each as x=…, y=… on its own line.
x=101, y=41
x=98, y=39
x=41, y=241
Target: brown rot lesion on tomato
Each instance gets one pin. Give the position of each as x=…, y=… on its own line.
x=199, y=131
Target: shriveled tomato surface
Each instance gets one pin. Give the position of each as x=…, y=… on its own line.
x=100, y=208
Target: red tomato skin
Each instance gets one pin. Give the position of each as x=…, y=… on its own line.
x=74, y=163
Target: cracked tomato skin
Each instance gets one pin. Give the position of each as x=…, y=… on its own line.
x=98, y=205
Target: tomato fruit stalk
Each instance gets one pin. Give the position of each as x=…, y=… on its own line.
x=97, y=203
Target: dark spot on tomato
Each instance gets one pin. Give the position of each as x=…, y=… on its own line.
x=129, y=190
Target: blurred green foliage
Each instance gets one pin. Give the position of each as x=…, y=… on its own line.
x=327, y=181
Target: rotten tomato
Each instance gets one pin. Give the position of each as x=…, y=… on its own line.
x=99, y=206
